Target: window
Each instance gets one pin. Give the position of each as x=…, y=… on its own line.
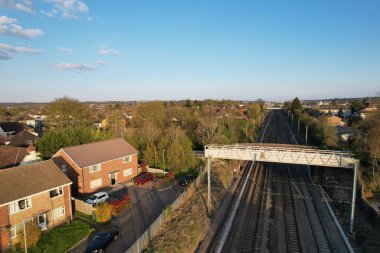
x=95, y=168
x=96, y=183
x=127, y=158
x=20, y=205
x=127, y=172
x=56, y=192
x=58, y=212
x=13, y=231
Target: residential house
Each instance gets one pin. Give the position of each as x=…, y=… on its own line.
x=28, y=120
x=11, y=156
x=38, y=192
x=334, y=121
x=8, y=129
x=24, y=139
x=98, y=165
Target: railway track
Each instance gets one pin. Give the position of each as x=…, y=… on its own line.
x=280, y=209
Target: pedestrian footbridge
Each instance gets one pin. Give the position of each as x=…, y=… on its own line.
x=281, y=154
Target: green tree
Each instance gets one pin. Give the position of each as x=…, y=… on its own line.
x=296, y=106
x=355, y=106
x=56, y=139
x=340, y=113
x=67, y=112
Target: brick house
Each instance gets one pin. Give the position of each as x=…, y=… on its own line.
x=39, y=192
x=98, y=165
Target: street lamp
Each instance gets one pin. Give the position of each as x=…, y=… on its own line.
x=26, y=248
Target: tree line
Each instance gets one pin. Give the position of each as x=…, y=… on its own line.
x=165, y=133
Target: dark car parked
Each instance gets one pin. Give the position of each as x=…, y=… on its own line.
x=142, y=178
x=101, y=240
x=185, y=180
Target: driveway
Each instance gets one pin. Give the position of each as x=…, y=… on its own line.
x=147, y=204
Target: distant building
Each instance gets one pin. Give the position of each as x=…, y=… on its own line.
x=334, y=121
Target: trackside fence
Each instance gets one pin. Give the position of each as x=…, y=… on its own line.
x=147, y=236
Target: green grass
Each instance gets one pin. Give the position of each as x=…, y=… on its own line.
x=62, y=238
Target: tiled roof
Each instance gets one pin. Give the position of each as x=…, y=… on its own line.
x=23, y=138
x=23, y=181
x=98, y=152
x=11, y=156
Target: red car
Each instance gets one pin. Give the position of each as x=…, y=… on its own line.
x=142, y=178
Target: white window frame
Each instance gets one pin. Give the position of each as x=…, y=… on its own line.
x=95, y=168
x=97, y=185
x=127, y=172
x=14, y=228
x=60, y=192
x=59, y=210
x=15, y=208
x=129, y=157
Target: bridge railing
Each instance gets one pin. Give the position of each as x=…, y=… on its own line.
x=293, y=155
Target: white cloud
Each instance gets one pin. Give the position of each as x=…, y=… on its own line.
x=77, y=67
x=65, y=50
x=107, y=51
x=4, y=55
x=21, y=5
x=6, y=20
x=9, y=26
x=101, y=63
x=67, y=8
x=7, y=50
x=50, y=14
x=27, y=50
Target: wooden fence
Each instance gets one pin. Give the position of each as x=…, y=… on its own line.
x=82, y=206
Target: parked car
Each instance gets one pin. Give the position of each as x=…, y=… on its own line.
x=185, y=180
x=101, y=240
x=98, y=198
x=142, y=178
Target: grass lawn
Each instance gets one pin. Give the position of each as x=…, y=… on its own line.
x=64, y=237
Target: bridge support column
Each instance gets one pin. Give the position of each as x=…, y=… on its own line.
x=353, y=198
x=209, y=185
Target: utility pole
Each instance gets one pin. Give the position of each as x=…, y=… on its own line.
x=163, y=159
x=298, y=132
x=208, y=185
x=246, y=132
x=155, y=156
x=292, y=120
x=203, y=137
x=307, y=128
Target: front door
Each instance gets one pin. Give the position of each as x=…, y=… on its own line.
x=42, y=223
x=112, y=178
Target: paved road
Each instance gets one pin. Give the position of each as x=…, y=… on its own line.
x=147, y=204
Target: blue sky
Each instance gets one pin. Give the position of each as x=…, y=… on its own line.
x=197, y=49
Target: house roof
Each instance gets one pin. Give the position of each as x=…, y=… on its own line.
x=11, y=156
x=12, y=127
x=22, y=181
x=98, y=152
x=27, y=117
x=23, y=138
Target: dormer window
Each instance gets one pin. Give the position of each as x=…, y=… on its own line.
x=95, y=168
x=127, y=158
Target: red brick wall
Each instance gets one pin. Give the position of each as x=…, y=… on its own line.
x=67, y=195
x=72, y=170
x=106, y=169
x=4, y=228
